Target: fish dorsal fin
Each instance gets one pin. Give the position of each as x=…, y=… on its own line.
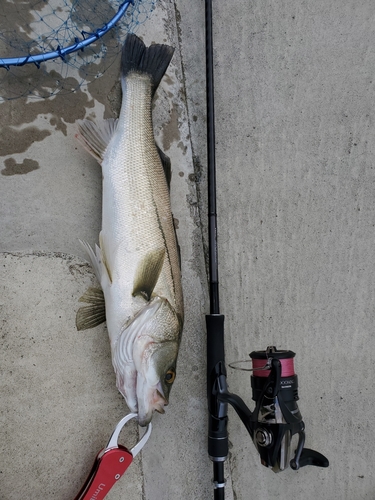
x=166, y=162
x=94, y=314
x=148, y=272
x=95, y=137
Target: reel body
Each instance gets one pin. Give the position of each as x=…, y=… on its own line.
x=276, y=417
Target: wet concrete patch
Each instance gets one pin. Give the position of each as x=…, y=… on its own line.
x=17, y=141
x=63, y=108
x=171, y=131
x=14, y=168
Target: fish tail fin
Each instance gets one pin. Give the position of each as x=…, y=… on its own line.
x=153, y=60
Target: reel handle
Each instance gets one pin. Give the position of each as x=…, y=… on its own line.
x=309, y=457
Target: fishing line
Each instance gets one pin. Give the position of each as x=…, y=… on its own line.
x=287, y=367
x=258, y=365
x=236, y=365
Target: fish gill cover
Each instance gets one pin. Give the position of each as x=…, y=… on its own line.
x=40, y=26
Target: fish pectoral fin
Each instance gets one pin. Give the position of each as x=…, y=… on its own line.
x=94, y=314
x=95, y=137
x=148, y=273
x=166, y=162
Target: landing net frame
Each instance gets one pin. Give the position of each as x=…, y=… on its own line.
x=51, y=47
x=61, y=52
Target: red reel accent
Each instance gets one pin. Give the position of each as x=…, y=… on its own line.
x=287, y=367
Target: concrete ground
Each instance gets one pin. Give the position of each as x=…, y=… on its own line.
x=295, y=158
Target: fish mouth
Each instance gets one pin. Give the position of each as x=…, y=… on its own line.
x=150, y=399
x=141, y=398
x=159, y=408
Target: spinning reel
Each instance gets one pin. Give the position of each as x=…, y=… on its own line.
x=276, y=417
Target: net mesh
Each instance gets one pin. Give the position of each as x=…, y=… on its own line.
x=40, y=26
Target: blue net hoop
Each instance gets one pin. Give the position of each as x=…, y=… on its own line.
x=50, y=47
x=61, y=52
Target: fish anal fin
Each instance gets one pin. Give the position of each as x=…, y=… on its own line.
x=166, y=162
x=95, y=137
x=148, y=273
x=93, y=314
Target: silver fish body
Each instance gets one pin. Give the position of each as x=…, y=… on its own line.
x=137, y=262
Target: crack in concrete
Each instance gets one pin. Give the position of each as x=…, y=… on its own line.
x=198, y=169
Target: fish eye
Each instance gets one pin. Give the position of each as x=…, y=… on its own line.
x=170, y=376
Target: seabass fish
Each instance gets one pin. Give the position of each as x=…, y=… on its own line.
x=137, y=261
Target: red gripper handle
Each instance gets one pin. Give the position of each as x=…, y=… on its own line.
x=108, y=467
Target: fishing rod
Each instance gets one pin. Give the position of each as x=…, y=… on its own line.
x=218, y=420
x=276, y=417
